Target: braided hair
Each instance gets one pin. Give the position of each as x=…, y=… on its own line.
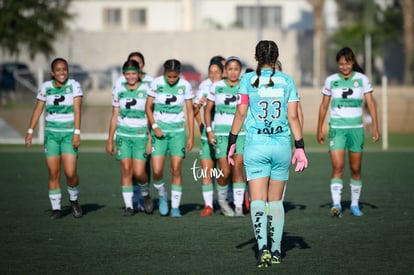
x=172, y=65
x=267, y=53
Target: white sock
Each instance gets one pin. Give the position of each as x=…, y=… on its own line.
x=208, y=193
x=73, y=193
x=55, y=197
x=176, y=193
x=336, y=191
x=127, y=194
x=222, y=192
x=160, y=186
x=355, y=193
x=238, y=193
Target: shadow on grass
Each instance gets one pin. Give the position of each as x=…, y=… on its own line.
x=86, y=209
x=288, y=243
x=346, y=205
x=184, y=208
x=288, y=206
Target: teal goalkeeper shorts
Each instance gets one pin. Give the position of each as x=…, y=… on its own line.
x=271, y=160
x=348, y=138
x=131, y=148
x=58, y=143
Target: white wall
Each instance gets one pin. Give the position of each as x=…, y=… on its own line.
x=182, y=15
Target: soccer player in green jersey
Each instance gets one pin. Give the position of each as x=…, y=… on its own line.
x=131, y=125
x=61, y=98
x=168, y=96
x=344, y=93
x=223, y=98
x=142, y=199
x=207, y=156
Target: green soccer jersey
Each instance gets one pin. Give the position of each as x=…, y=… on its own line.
x=347, y=96
x=169, y=102
x=132, y=120
x=224, y=97
x=59, y=104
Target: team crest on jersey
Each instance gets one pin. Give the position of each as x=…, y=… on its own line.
x=180, y=91
x=68, y=90
x=140, y=95
x=356, y=83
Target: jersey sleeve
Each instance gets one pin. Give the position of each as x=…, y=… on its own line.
x=188, y=91
x=115, y=99
x=212, y=94
x=327, y=87
x=152, y=91
x=77, y=90
x=366, y=84
x=41, y=94
x=293, y=91
x=245, y=83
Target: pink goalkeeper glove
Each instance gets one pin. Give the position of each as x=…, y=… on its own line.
x=230, y=154
x=300, y=159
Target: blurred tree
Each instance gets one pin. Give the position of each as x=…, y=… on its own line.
x=408, y=13
x=32, y=24
x=319, y=69
x=385, y=26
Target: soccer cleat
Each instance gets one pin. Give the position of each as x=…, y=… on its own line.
x=76, y=209
x=148, y=204
x=128, y=212
x=238, y=212
x=163, y=205
x=175, y=212
x=356, y=211
x=226, y=209
x=336, y=211
x=207, y=211
x=276, y=257
x=264, y=258
x=56, y=214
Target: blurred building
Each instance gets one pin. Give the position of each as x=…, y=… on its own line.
x=194, y=15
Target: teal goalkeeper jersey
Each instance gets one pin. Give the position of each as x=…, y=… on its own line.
x=347, y=96
x=267, y=116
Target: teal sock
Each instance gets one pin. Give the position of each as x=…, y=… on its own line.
x=276, y=217
x=259, y=220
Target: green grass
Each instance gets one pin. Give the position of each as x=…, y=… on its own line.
x=395, y=140
x=105, y=242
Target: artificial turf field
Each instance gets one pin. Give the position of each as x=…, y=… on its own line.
x=105, y=242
